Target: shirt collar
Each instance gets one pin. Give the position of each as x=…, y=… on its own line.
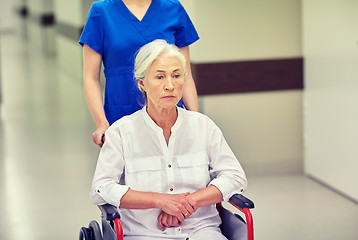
x=149, y=121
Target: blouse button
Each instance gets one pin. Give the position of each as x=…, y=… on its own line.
x=169, y=166
x=171, y=189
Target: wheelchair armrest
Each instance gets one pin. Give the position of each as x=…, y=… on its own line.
x=109, y=212
x=241, y=201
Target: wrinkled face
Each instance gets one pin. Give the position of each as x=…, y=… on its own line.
x=164, y=82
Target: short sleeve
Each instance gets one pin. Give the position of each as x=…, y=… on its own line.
x=186, y=33
x=92, y=33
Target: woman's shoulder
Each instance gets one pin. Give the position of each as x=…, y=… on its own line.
x=192, y=116
x=127, y=120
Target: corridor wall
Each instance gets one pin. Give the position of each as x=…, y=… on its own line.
x=70, y=19
x=6, y=16
x=262, y=124
x=330, y=39
x=40, y=26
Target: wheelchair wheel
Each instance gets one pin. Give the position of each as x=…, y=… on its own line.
x=93, y=232
x=85, y=233
x=97, y=234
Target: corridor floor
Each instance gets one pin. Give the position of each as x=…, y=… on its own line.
x=47, y=161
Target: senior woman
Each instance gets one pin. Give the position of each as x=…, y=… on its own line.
x=163, y=166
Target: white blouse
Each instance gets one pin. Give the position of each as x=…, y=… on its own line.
x=135, y=155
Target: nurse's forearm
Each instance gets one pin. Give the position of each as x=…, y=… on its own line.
x=93, y=95
x=190, y=95
x=207, y=196
x=92, y=62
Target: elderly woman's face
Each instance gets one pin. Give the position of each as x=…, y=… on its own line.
x=164, y=82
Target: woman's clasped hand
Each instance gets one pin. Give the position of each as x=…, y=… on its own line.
x=175, y=209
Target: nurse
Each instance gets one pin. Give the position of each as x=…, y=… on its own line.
x=113, y=33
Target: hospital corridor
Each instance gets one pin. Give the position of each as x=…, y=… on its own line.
x=296, y=145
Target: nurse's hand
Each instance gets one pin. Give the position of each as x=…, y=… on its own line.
x=98, y=134
x=166, y=220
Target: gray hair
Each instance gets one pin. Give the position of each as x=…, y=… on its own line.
x=151, y=51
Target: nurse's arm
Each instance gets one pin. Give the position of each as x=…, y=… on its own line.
x=92, y=89
x=190, y=96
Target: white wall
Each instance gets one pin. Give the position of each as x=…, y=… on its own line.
x=232, y=30
x=7, y=13
x=69, y=11
x=69, y=52
x=40, y=6
x=263, y=129
x=69, y=56
x=40, y=37
x=330, y=40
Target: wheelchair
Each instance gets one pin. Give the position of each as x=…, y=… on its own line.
x=233, y=226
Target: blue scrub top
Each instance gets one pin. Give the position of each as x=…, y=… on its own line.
x=115, y=33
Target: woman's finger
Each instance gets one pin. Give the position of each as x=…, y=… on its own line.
x=180, y=217
x=175, y=222
x=160, y=221
x=169, y=221
x=192, y=203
